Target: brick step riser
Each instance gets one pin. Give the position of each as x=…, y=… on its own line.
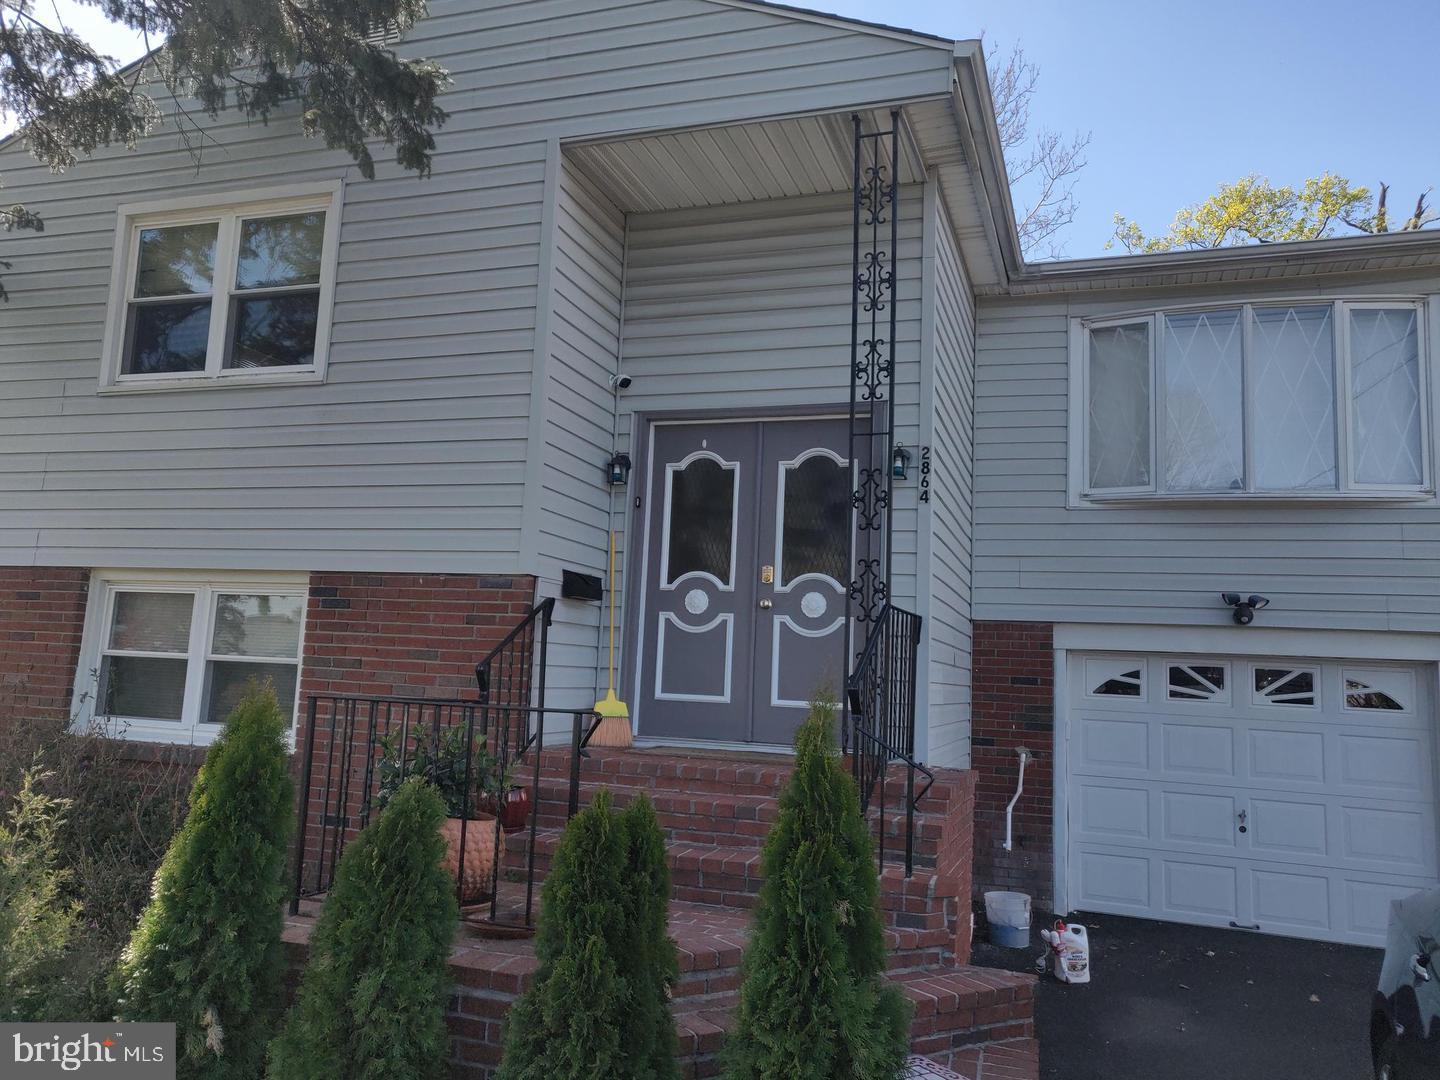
x=721, y=889
x=733, y=832
x=692, y=776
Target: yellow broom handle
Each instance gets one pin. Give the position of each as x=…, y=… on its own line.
x=612, y=612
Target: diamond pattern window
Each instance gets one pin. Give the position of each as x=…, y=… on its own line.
x=1304, y=400
x=1204, y=407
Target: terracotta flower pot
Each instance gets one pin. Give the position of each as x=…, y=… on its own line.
x=481, y=837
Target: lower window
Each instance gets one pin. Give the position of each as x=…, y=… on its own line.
x=168, y=660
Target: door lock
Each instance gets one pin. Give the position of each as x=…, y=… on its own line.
x=766, y=605
x=767, y=575
x=1244, y=817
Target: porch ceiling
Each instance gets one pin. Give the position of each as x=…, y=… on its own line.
x=773, y=159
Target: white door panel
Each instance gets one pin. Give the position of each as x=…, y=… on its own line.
x=1293, y=796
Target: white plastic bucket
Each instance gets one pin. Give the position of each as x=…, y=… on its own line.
x=1009, y=917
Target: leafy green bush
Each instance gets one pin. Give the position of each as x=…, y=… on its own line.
x=124, y=803
x=814, y=1004
x=372, y=1003
x=36, y=922
x=207, y=953
x=599, y=1007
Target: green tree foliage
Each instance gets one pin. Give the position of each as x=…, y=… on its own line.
x=206, y=954
x=814, y=1004
x=1253, y=210
x=254, y=56
x=598, y=1009
x=36, y=922
x=372, y=1004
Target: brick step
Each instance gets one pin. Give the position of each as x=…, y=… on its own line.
x=725, y=820
x=728, y=875
x=960, y=1014
x=697, y=773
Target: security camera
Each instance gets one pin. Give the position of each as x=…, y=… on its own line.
x=620, y=381
x=1245, y=607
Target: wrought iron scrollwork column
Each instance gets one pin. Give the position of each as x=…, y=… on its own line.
x=875, y=242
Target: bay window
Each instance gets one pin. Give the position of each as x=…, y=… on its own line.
x=208, y=294
x=167, y=658
x=1305, y=399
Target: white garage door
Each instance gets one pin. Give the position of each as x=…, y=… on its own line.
x=1290, y=796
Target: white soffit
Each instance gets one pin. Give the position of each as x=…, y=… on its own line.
x=720, y=166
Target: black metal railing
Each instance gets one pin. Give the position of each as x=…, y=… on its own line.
x=357, y=745
x=881, y=695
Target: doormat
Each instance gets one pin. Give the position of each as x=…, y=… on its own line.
x=919, y=1068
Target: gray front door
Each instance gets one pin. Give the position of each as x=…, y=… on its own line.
x=748, y=559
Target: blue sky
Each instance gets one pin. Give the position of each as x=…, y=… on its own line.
x=1180, y=97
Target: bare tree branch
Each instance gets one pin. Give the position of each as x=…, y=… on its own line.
x=1043, y=165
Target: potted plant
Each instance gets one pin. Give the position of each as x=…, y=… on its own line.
x=440, y=758
x=504, y=798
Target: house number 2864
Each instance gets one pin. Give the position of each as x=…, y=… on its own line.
x=924, y=474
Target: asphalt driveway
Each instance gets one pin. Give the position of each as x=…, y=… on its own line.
x=1169, y=1002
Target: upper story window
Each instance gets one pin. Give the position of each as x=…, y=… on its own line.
x=1314, y=399
x=210, y=293
x=167, y=657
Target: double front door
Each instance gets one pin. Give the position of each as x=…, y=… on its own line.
x=747, y=564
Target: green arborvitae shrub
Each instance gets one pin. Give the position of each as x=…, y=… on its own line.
x=813, y=1002
x=206, y=954
x=36, y=922
x=372, y=1003
x=650, y=964
x=599, y=1009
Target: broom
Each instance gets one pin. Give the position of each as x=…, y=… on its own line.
x=614, y=729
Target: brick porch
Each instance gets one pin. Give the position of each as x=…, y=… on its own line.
x=716, y=811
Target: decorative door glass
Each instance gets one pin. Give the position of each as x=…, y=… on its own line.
x=816, y=531
x=701, y=520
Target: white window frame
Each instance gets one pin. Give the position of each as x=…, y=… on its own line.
x=226, y=209
x=1081, y=495
x=203, y=587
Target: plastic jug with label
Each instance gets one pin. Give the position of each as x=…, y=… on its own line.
x=1069, y=951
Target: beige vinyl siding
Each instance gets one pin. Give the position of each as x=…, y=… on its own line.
x=414, y=454
x=1324, y=565
x=951, y=525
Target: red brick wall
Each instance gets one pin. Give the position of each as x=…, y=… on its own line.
x=406, y=635
x=1014, y=706
x=42, y=616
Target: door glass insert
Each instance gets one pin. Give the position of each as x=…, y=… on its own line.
x=701, y=515
x=815, y=536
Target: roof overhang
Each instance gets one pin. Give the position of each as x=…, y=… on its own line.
x=1339, y=256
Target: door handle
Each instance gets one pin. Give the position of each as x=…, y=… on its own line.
x=766, y=605
x=1244, y=817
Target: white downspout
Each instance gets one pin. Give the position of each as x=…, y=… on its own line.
x=1010, y=810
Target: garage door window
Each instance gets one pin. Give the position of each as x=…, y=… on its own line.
x=1379, y=691
x=1116, y=678
x=1199, y=682
x=1285, y=686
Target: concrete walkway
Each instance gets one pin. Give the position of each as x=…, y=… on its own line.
x=1170, y=1002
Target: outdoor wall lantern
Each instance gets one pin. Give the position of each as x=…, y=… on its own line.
x=617, y=470
x=900, y=463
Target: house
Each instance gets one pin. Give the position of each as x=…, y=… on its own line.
x=738, y=285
